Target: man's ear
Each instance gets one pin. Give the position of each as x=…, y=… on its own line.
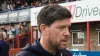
x=43, y=27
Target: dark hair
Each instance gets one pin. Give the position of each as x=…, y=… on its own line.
x=51, y=13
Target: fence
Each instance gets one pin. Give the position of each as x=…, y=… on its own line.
x=16, y=43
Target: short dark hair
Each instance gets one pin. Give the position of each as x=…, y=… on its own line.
x=51, y=13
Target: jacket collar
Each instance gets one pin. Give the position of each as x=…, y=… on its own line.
x=38, y=46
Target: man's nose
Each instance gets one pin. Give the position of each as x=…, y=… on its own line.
x=66, y=32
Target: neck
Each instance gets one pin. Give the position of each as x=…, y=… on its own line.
x=46, y=45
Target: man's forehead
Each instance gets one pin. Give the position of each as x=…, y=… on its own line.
x=67, y=21
x=62, y=23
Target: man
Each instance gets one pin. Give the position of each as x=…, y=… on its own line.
x=4, y=47
x=11, y=34
x=53, y=22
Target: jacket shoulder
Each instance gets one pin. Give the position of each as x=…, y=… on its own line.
x=25, y=53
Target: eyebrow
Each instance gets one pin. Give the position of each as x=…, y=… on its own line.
x=65, y=25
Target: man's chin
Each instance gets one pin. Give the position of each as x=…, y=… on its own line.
x=62, y=48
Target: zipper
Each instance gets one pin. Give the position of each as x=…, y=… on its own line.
x=61, y=54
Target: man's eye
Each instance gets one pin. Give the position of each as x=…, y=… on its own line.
x=61, y=28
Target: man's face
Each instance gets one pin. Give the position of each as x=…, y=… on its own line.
x=58, y=33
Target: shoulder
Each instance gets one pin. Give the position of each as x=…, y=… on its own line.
x=66, y=53
x=25, y=53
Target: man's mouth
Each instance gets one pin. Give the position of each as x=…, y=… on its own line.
x=64, y=42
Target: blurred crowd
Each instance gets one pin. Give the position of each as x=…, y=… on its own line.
x=6, y=5
x=13, y=30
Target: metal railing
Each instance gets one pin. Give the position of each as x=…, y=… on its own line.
x=17, y=44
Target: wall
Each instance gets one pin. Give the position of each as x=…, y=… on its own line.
x=93, y=36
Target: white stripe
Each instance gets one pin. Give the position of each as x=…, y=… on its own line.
x=61, y=54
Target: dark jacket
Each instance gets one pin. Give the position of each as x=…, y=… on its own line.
x=37, y=50
x=4, y=48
